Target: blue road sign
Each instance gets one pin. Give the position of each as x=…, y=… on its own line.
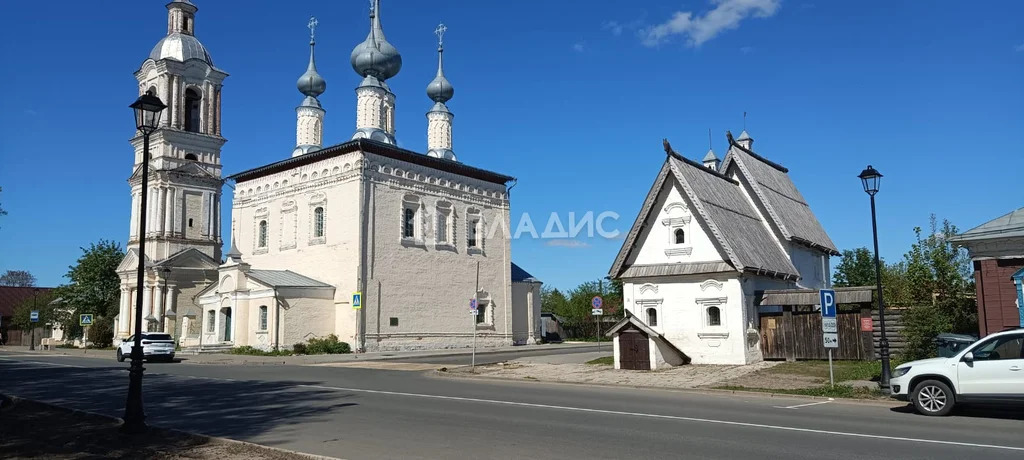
x=596, y=302
x=85, y=319
x=828, y=303
x=34, y=316
x=472, y=304
x=357, y=300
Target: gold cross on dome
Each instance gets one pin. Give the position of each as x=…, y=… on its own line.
x=439, y=31
x=312, y=26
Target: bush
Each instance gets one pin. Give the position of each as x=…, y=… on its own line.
x=101, y=333
x=66, y=345
x=921, y=324
x=327, y=346
x=299, y=349
x=250, y=351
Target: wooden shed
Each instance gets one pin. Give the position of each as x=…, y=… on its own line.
x=638, y=347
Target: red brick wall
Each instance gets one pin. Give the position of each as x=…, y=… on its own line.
x=997, y=295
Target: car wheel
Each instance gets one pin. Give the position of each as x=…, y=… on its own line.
x=120, y=356
x=932, y=397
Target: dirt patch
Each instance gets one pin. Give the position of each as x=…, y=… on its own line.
x=774, y=381
x=32, y=429
x=691, y=376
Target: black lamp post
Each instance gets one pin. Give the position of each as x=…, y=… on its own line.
x=147, y=118
x=870, y=177
x=32, y=334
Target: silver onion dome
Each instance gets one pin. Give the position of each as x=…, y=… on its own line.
x=440, y=89
x=180, y=47
x=376, y=56
x=311, y=83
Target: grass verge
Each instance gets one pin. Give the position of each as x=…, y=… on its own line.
x=605, y=361
x=839, y=391
x=844, y=370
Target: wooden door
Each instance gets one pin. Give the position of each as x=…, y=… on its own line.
x=634, y=353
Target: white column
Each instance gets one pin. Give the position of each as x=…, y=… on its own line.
x=529, y=315
x=182, y=221
x=168, y=211
x=147, y=304
x=133, y=226
x=131, y=310
x=209, y=216
x=162, y=215
x=158, y=301
x=124, y=314
x=216, y=216
x=172, y=298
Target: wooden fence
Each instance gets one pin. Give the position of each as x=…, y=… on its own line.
x=793, y=335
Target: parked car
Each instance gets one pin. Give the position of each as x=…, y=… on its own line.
x=990, y=370
x=154, y=346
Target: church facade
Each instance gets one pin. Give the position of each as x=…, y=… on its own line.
x=710, y=238
x=382, y=246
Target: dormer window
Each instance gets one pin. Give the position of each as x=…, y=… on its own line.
x=680, y=236
x=191, y=156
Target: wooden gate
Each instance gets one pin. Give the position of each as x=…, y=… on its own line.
x=634, y=353
x=797, y=335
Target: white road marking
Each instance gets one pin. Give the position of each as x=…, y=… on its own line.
x=805, y=405
x=676, y=417
x=40, y=362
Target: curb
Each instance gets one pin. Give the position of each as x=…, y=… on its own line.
x=119, y=421
x=697, y=390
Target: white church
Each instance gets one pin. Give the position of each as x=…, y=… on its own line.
x=406, y=231
x=710, y=239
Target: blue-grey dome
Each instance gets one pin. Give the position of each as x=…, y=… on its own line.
x=440, y=89
x=375, y=55
x=311, y=83
x=181, y=47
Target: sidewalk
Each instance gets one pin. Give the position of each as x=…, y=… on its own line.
x=224, y=358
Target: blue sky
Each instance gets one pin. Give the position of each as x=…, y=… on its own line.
x=571, y=97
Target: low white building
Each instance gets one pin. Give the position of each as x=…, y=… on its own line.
x=709, y=238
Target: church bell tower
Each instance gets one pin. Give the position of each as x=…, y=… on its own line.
x=185, y=165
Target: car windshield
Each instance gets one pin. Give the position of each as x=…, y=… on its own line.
x=158, y=336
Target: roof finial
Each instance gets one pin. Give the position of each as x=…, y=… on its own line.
x=312, y=29
x=439, y=31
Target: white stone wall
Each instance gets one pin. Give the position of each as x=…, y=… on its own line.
x=425, y=284
x=657, y=244
x=681, y=305
x=813, y=266
x=526, y=307
x=287, y=201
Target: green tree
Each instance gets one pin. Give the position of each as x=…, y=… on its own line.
x=855, y=268
x=17, y=278
x=552, y=300
x=21, y=317
x=95, y=287
x=934, y=284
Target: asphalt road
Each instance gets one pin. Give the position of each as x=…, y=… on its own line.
x=492, y=357
x=365, y=413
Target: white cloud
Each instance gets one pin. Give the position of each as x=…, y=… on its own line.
x=579, y=47
x=726, y=14
x=614, y=26
x=746, y=49
x=567, y=243
x=1019, y=48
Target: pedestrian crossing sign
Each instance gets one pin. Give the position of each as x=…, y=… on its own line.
x=357, y=300
x=85, y=319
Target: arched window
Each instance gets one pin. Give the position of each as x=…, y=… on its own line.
x=409, y=223
x=211, y=320
x=262, y=243
x=189, y=222
x=680, y=236
x=714, y=316
x=263, y=317
x=191, y=156
x=318, y=222
x=652, y=317
x=192, y=109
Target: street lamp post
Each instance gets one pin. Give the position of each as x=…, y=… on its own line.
x=147, y=118
x=32, y=333
x=870, y=178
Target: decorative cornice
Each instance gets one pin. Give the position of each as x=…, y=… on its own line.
x=648, y=287
x=711, y=283
x=671, y=252
x=711, y=301
x=676, y=221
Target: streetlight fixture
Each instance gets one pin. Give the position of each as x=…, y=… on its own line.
x=870, y=178
x=147, y=110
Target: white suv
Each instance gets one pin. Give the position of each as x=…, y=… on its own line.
x=989, y=370
x=154, y=345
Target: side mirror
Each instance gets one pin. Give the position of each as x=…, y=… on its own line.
x=969, y=357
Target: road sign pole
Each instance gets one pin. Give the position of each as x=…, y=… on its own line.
x=473, y=362
x=831, y=375
x=598, y=318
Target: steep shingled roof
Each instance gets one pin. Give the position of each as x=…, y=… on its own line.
x=777, y=192
x=724, y=210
